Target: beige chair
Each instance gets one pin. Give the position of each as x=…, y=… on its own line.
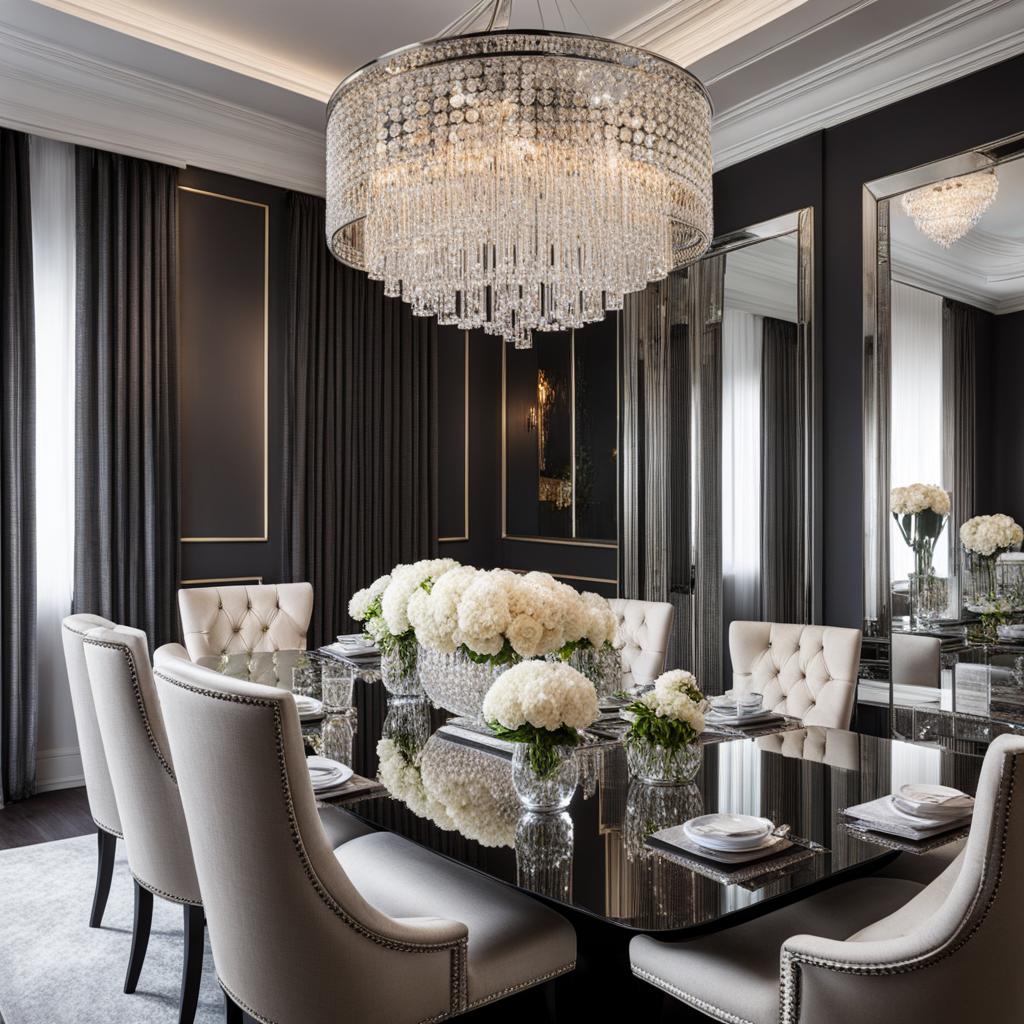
x=142, y=773
x=380, y=932
x=644, y=628
x=915, y=660
x=98, y=788
x=240, y=620
x=807, y=672
x=876, y=948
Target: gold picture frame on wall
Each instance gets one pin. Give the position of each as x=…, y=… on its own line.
x=266, y=368
x=567, y=541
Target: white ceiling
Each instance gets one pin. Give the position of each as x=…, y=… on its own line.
x=985, y=268
x=776, y=69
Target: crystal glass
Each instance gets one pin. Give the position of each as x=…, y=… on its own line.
x=929, y=597
x=337, y=735
x=662, y=766
x=399, y=679
x=549, y=792
x=650, y=808
x=306, y=681
x=544, y=846
x=602, y=666
x=455, y=682
x=336, y=682
x=979, y=582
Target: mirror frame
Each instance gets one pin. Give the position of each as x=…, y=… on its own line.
x=877, y=359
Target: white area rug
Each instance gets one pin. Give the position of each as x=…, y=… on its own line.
x=55, y=969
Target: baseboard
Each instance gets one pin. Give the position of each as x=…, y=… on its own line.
x=59, y=768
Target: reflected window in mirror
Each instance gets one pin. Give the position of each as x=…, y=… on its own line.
x=561, y=436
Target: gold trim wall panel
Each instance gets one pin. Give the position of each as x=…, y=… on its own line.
x=266, y=368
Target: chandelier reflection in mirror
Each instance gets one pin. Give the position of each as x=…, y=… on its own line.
x=518, y=180
x=946, y=210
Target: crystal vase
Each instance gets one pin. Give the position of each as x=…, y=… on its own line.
x=398, y=674
x=662, y=766
x=550, y=788
x=602, y=666
x=652, y=808
x=455, y=682
x=929, y=595
x=980, y=587
x=544, y=848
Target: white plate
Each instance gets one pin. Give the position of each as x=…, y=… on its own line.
x=326, y=774
x=933, y=801
x=747, y=718
x=737, y=831
x=308, y=708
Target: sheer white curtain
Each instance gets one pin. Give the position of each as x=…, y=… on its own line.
x=53, y=264
x=741, y=464
x=916, y=427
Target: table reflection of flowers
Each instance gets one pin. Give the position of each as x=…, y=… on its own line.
x=650, y=808
x=544, y=851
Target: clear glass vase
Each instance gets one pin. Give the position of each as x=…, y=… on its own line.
x=408, y=724
x=981, y=592
x=551, y=790
x=455, y=682
x=662, y=766
x=929, y=596
x=399, y=675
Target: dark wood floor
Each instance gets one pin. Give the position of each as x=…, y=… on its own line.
x=41, y=819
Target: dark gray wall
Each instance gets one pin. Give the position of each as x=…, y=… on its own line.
x=1006, y=407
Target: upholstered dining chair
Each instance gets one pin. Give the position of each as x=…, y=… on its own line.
x=155, y=834
x=98, y=788
x=644, y=628
x=378, y=931
x=876, y=948
x=240, y=620
x=807, y=672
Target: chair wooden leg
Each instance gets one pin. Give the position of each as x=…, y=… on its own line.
x=192, y=966
x=140, y=936
x=232, y=1011
x=106, y=848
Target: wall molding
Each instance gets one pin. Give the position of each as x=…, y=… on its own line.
x=952, y=43
x=58, y=768
x=51, y=90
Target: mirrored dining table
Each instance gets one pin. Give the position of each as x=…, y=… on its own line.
x=451, y=791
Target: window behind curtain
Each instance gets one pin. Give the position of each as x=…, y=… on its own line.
x=53, y=262
x=916, y=429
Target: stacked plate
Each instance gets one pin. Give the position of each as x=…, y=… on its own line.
x=327, y=776
x=309, y=708
x=916, y=811
x=733, y=708
x=731, y=833
x=354, y=644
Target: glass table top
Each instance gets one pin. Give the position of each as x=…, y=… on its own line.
x=452, y=792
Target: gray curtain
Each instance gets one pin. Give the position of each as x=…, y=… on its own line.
x=782, y=472
x=18, y=679
x=964, y=330
x=360, y=457
x=127, y=478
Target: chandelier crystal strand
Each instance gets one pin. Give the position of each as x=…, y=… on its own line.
x=518, y=181
x=946, y=210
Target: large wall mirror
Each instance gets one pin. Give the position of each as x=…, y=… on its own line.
x=560, y=437
x=944, y=355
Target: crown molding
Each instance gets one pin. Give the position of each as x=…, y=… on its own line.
x=185, y=38
x=947, y=45
x=50, y=90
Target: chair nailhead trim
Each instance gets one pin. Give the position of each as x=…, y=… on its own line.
x=163, y=894
x=495, y=996
x=139, y=702
x=107, y=828
x=684, y=997
x=988, y=889
x=458, y=949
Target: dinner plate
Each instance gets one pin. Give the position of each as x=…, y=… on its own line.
x=729, y=831
x=930, y=800
x=308, y=707
x=327, y=774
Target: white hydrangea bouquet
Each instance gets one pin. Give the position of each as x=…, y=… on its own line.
x=398, y=770
x=383, y=610
x=665, y=724
x=921, y=511
x=540, y=706
x=984, y=539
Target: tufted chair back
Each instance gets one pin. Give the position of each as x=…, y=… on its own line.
x=98, y=788
x=240, y=620
x=644, y=628
x=135, y=741
x=807, y=672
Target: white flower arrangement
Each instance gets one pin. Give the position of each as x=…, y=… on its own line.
x=917, y=498
x=502, y=617
x=542, y=704
x=402, y=777
x=383, y=606
x=671, y=715
x=989, y=535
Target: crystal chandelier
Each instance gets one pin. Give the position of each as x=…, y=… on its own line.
x=518, y=180
x=946, y=210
